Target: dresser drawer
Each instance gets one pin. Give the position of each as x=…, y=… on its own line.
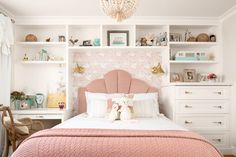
x=203, y=122
x=217, y=139
x=202, y=92
x=39, y=116
x=202, y=106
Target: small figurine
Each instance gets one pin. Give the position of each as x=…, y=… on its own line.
x=212, y=38
x=96, y=42
x=48, y=39
x=73, y=42
x=143, y=42
x=26, y=58
x=61, y=38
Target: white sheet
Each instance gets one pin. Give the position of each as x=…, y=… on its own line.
x=83, y=121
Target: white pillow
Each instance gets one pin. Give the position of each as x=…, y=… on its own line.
x=146, y=105
x=97, y=103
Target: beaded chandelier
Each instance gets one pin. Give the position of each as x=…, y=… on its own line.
x=119, y=9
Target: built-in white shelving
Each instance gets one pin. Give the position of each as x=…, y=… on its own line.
x=83, y=32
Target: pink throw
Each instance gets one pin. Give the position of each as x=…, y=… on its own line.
x=115, y=143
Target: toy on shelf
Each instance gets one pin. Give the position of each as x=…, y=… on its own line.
x=96, y=42
x=61, y=38
x=48, y=39
x=73, y=41
x=26, y=58
x=153, y=40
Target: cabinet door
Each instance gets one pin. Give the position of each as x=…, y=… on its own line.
x=202, y=92
x=202, y=106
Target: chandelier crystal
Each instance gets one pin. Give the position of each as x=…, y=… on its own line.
x=119, y=9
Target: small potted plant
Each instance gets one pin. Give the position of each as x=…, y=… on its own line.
x=211, y=77
x=17, y=98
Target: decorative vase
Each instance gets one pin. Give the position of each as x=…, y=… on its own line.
x=39, y=99
x=17, y=104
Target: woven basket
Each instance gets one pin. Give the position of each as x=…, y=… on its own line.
x=203, y=37
x=54, y=99
x=31, y=38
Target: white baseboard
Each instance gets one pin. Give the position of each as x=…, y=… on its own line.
x=234, y=151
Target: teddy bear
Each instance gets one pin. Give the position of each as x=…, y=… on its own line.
x=125, y=112
x=114, y=114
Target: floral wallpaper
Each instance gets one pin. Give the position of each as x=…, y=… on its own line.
x=98, y=62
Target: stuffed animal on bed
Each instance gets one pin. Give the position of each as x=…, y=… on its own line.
x=114, y=114
x=125, y=112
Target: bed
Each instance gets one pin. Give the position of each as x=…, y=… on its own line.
x=85, y=136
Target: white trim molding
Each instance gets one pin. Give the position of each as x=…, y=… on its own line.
x=228, y=14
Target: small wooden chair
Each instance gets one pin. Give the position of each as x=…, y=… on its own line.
x=14, y=136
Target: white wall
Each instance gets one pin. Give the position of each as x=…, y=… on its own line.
x=229, y=61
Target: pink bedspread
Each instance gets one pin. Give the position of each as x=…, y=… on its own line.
x=115, y=143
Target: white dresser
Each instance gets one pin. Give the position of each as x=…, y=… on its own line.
x=201, y=108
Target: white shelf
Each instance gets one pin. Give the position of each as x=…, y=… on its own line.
x=41, y=43
x=199, y=84
x=193, y=62
x=43, y=62
x=192, y=43
x=116, y=47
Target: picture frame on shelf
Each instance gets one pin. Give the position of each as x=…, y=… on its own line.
x=118, y=38
x=175, y=37
x=176, y=77
x=190, y=75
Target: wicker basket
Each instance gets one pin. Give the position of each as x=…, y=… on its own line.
x=55, y=98
x=203, y=37
x=31, y=38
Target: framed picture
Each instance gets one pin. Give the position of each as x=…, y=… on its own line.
x=176, y=77
x=190, y=75
x=175, y=37
x=118, y=38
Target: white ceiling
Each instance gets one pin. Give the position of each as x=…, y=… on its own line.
x=190, y=8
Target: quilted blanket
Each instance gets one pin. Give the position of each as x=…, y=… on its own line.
x=115, y=143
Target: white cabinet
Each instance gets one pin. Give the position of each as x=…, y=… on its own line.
x=204, y=109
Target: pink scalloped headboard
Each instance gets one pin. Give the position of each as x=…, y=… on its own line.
x=115, y=81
